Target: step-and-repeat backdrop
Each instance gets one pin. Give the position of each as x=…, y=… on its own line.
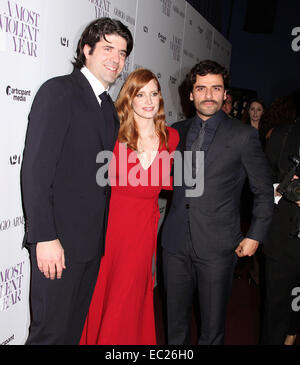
x=38, y=40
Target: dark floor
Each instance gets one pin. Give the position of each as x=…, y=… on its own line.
x=243, y=318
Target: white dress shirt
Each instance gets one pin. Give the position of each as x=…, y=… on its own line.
x=96, y=85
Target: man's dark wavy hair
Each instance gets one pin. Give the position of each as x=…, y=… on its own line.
x=204, y=68
x=97, y=30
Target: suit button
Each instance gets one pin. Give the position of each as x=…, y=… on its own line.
x=187, y=206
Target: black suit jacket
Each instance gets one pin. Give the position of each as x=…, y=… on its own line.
x=234, y=154
x=282, y=242
x=61, y=197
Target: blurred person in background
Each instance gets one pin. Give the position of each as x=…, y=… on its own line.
x=255, y=110
x=252, y=115
x=281, y=111
x=228, y=104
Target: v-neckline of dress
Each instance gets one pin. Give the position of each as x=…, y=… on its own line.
x=152, y=160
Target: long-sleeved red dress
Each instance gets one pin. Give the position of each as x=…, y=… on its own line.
x=122, y=311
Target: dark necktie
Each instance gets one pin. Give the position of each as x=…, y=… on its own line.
x=196, y=146
x=104, y=97
x=107, y=108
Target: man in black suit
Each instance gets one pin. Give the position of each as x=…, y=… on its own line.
x=201, y=235
x=72, y=119
x=281, y=321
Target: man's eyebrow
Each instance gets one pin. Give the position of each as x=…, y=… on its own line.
x=112, y=47
x=199, y=85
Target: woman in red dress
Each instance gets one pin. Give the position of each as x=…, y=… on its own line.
x=122, y=311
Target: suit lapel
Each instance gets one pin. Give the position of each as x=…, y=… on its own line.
x=220, y=140
x=183, y=132
x=115, y=127
x=94, y=109
x=183, y=129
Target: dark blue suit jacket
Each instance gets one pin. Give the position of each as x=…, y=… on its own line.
x=234, y=153
x=61, y=198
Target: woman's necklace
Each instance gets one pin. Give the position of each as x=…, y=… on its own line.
x=147, y=151
x=143, y=146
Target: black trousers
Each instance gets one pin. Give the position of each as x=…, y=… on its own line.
x=184, y=273
x=279, y=320
x=59, y=307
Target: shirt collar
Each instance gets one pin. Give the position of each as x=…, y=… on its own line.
x=96, y=85
x=197, y=119
x=211, y=122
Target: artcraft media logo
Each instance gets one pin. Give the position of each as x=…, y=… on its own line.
x=296, y=41
x=17, y=94
x=102, y=8
x=23, y=25
x=11, y=286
